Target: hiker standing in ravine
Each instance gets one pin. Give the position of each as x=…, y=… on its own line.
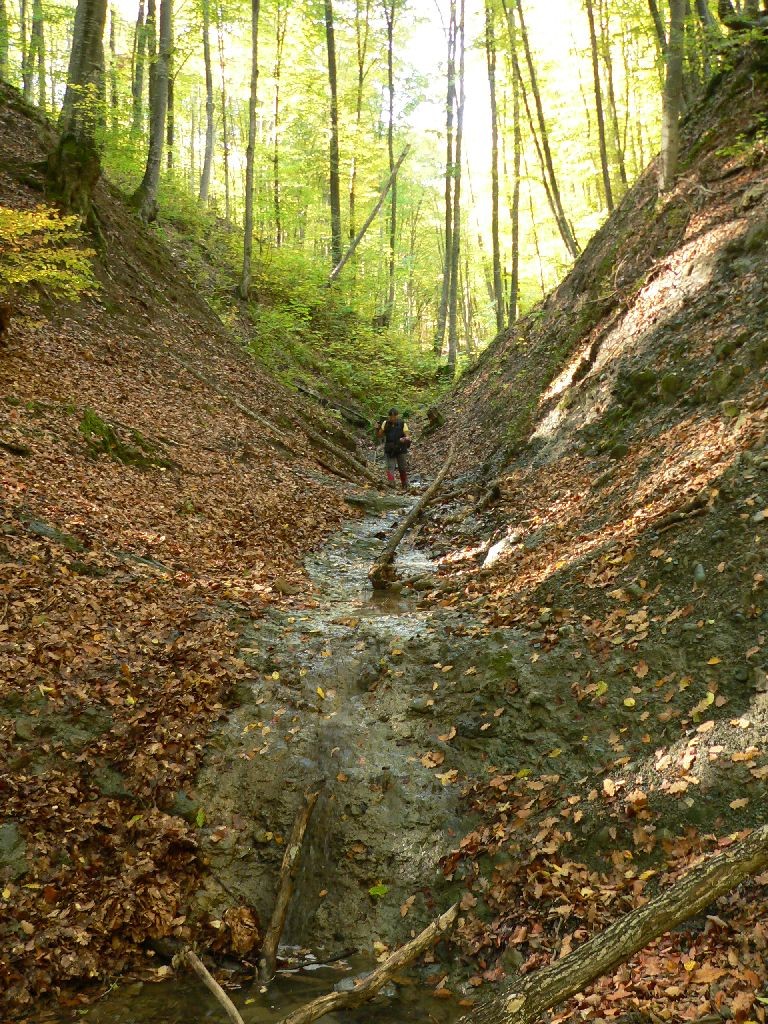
x=397, y=440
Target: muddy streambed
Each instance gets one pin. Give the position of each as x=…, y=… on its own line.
x=386, y=705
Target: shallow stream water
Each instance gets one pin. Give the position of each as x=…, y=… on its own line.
x=359, y=628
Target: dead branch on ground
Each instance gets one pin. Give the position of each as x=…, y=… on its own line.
x=377, y=979
x=528, y=997
x=288, y=871
x=380, y=574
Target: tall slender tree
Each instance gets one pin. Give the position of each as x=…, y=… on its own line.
x=362, y=35
x=145, y=196
x=36, y=56
x=225, y=119
x=205, y=175
x=334, y=178
x=490, y=55
x=137, y=78
x=390, y=7
x=281, y=29
x=514, y=211
x=250, y=153
x=673, y=96
x=24, y=46
x=450, y=99
x=566, y=232
x=3, y=41
x=455, y=255
x=606, y=171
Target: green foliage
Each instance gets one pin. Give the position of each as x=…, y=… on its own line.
x=752, y=143
x=41, y=248
x=378, y=891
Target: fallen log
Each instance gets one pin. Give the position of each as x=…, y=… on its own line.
x=528, y=997
x=381, y=574
x=212, y=985
x=377, y=979
x=288, y=871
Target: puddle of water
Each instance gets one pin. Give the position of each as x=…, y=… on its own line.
x=187, y=1001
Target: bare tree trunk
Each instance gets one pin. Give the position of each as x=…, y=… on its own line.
x=205, y=174
x=281, y=27
x=170, y=127
x=224, y=115
x=442, y=311
x=37, y=51
x=250, y=153
x=74, y=166
x=562, y=221
x=599, y=108
x=4, y=69
x=137, y=78
x=114, y=96
x=453, y=318
x=389, y=15
x=514, y=277
x=3, y=41
x=605, y=44
x=334, y=171
x=145, y=196
x=24, y=46
x=528, y=997
x=490, y=55
x=362, y=33
x=673, y=97
x=658, y=24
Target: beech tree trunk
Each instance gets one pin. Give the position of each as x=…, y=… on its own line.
x=334, y=170
x=562, y=221
x=490, y=55
x=453, y=291
x=37, y=52
x=605, y=46
x=528, y=997
x=224, y=113
x=170, y=119
x=74, y=166
x=442, y=309
x=673, y=97
x=145, y=196
x=606, y=171
x=281, y=27
x=114, y=95
x=137, y=77
x=26, y=63
x=205, y=174
x=658, y=25
x=250, y=153
x=362, y=33
x=3, y=41
x=389, y=15
x=517, y=143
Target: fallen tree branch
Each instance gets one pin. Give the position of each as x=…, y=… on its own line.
x=380, y=573
x=212, y=985
x=288, y=870
x=530, y=996
x=278, y=436
x=369, y=220
x=377, y=979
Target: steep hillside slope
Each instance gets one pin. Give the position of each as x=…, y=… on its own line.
x=611, y=523
x=156, y=489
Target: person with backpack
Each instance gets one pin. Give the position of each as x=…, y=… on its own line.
x=397, y=440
